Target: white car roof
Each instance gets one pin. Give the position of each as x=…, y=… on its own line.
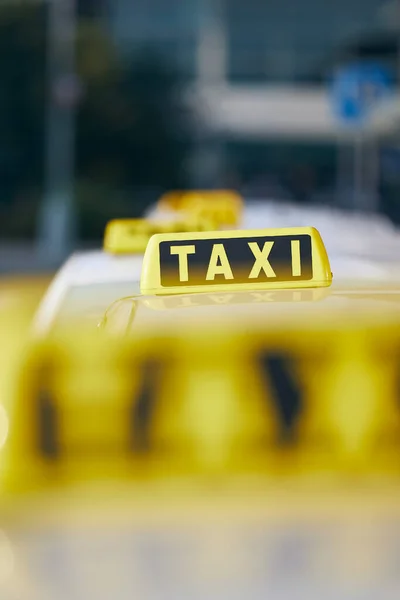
x=88, y=269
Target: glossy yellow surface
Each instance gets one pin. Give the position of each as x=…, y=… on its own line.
x=19, y=298
x=214, y=402
x=168, y=437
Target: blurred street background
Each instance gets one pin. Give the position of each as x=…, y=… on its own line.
x=106, y=104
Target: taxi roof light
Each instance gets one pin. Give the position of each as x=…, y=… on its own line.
x=224, y=206
x=175, y=199
x=131, y=236
x=235, y=260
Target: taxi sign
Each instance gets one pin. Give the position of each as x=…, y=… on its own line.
x=175, y=199
x=226, y=209
x=130, y=236
x=235, y=260
x=225, y=206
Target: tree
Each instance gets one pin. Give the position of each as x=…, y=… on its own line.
x=132, y=129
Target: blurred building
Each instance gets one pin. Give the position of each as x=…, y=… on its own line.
x=258, y=73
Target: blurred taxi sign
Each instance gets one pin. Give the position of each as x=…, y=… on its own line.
x=225, y=206
x=126, y=236
x=235, y=260
x=92, y=407
x=175, y=199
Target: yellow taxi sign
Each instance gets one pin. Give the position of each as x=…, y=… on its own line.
x=226, y=209
x=235, y=260
x=130, y=236
x=231, y=196
x=225, y=206
x=171, y=200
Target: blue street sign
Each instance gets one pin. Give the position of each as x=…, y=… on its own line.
x=357, y=89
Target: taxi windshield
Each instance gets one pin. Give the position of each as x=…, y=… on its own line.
x=89, y=302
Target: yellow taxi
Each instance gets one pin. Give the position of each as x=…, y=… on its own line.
x=221, y=316
x=231, y=427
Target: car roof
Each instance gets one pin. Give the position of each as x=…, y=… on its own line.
x=91, y=282
x=255, y=309
x=88, y=270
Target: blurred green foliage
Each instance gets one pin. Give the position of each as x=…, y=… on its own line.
x=132, y=132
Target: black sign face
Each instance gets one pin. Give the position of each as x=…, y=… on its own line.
x=236, y=260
